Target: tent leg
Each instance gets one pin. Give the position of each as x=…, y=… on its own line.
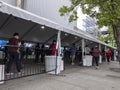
x=100, y=47
x=58, y=46
x=83, y=50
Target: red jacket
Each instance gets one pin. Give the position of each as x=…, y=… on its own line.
x=108, y=53
x=53, y=49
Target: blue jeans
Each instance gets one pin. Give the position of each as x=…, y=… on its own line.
x=13, y=56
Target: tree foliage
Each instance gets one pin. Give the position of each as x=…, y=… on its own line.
x=109, y=37
x=108, y=12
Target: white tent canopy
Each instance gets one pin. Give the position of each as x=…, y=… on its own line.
x=13, y=19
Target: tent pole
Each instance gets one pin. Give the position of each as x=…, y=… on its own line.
x=83, y=48
x=58, y=46
x=99, y=46
x=105, y=48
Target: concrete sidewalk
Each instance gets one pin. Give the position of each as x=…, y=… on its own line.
x=73, y=78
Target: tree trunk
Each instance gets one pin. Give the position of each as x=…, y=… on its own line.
x=116, y=30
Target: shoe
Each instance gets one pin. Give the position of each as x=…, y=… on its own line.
x=8, y=74
x=97, y=67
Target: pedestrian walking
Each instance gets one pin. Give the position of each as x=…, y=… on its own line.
x=108, y=55
x=96, y=54
x=37, y=53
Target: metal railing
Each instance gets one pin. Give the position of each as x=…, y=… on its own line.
x=31, y=62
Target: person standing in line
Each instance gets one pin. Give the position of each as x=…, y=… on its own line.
x=96, y=53
x=79, y=55
x=87, y=50
x=22, y=53
x=73, y=50
x=13, y=50
x=6, y=54
x=43, y=53
x=103, y=54
x=108, y=55
x=37, y=53
x=53, y=48
x=91, y=53
x=66, y=55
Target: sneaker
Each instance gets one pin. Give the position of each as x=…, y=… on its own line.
x=8, y=74
x=97, y=67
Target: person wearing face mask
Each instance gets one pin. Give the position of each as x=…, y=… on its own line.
x=13, y=50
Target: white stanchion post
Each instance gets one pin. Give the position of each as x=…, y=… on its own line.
x=53, y=63
x=83, y=50
x=58, y=46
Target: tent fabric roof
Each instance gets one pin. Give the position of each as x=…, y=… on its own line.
x=16, y=19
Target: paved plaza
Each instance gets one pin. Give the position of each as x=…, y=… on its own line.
x=73, y=78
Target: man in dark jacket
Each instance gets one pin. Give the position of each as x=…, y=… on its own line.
x=37, y=53
x=22, y=53
x=43, y=53
x=13, y=51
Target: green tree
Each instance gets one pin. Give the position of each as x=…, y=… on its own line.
x=108, y=14
x=109, y=37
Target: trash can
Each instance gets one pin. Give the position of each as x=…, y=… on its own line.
x=50, y=64
x=87, y=61
x=2, y=67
